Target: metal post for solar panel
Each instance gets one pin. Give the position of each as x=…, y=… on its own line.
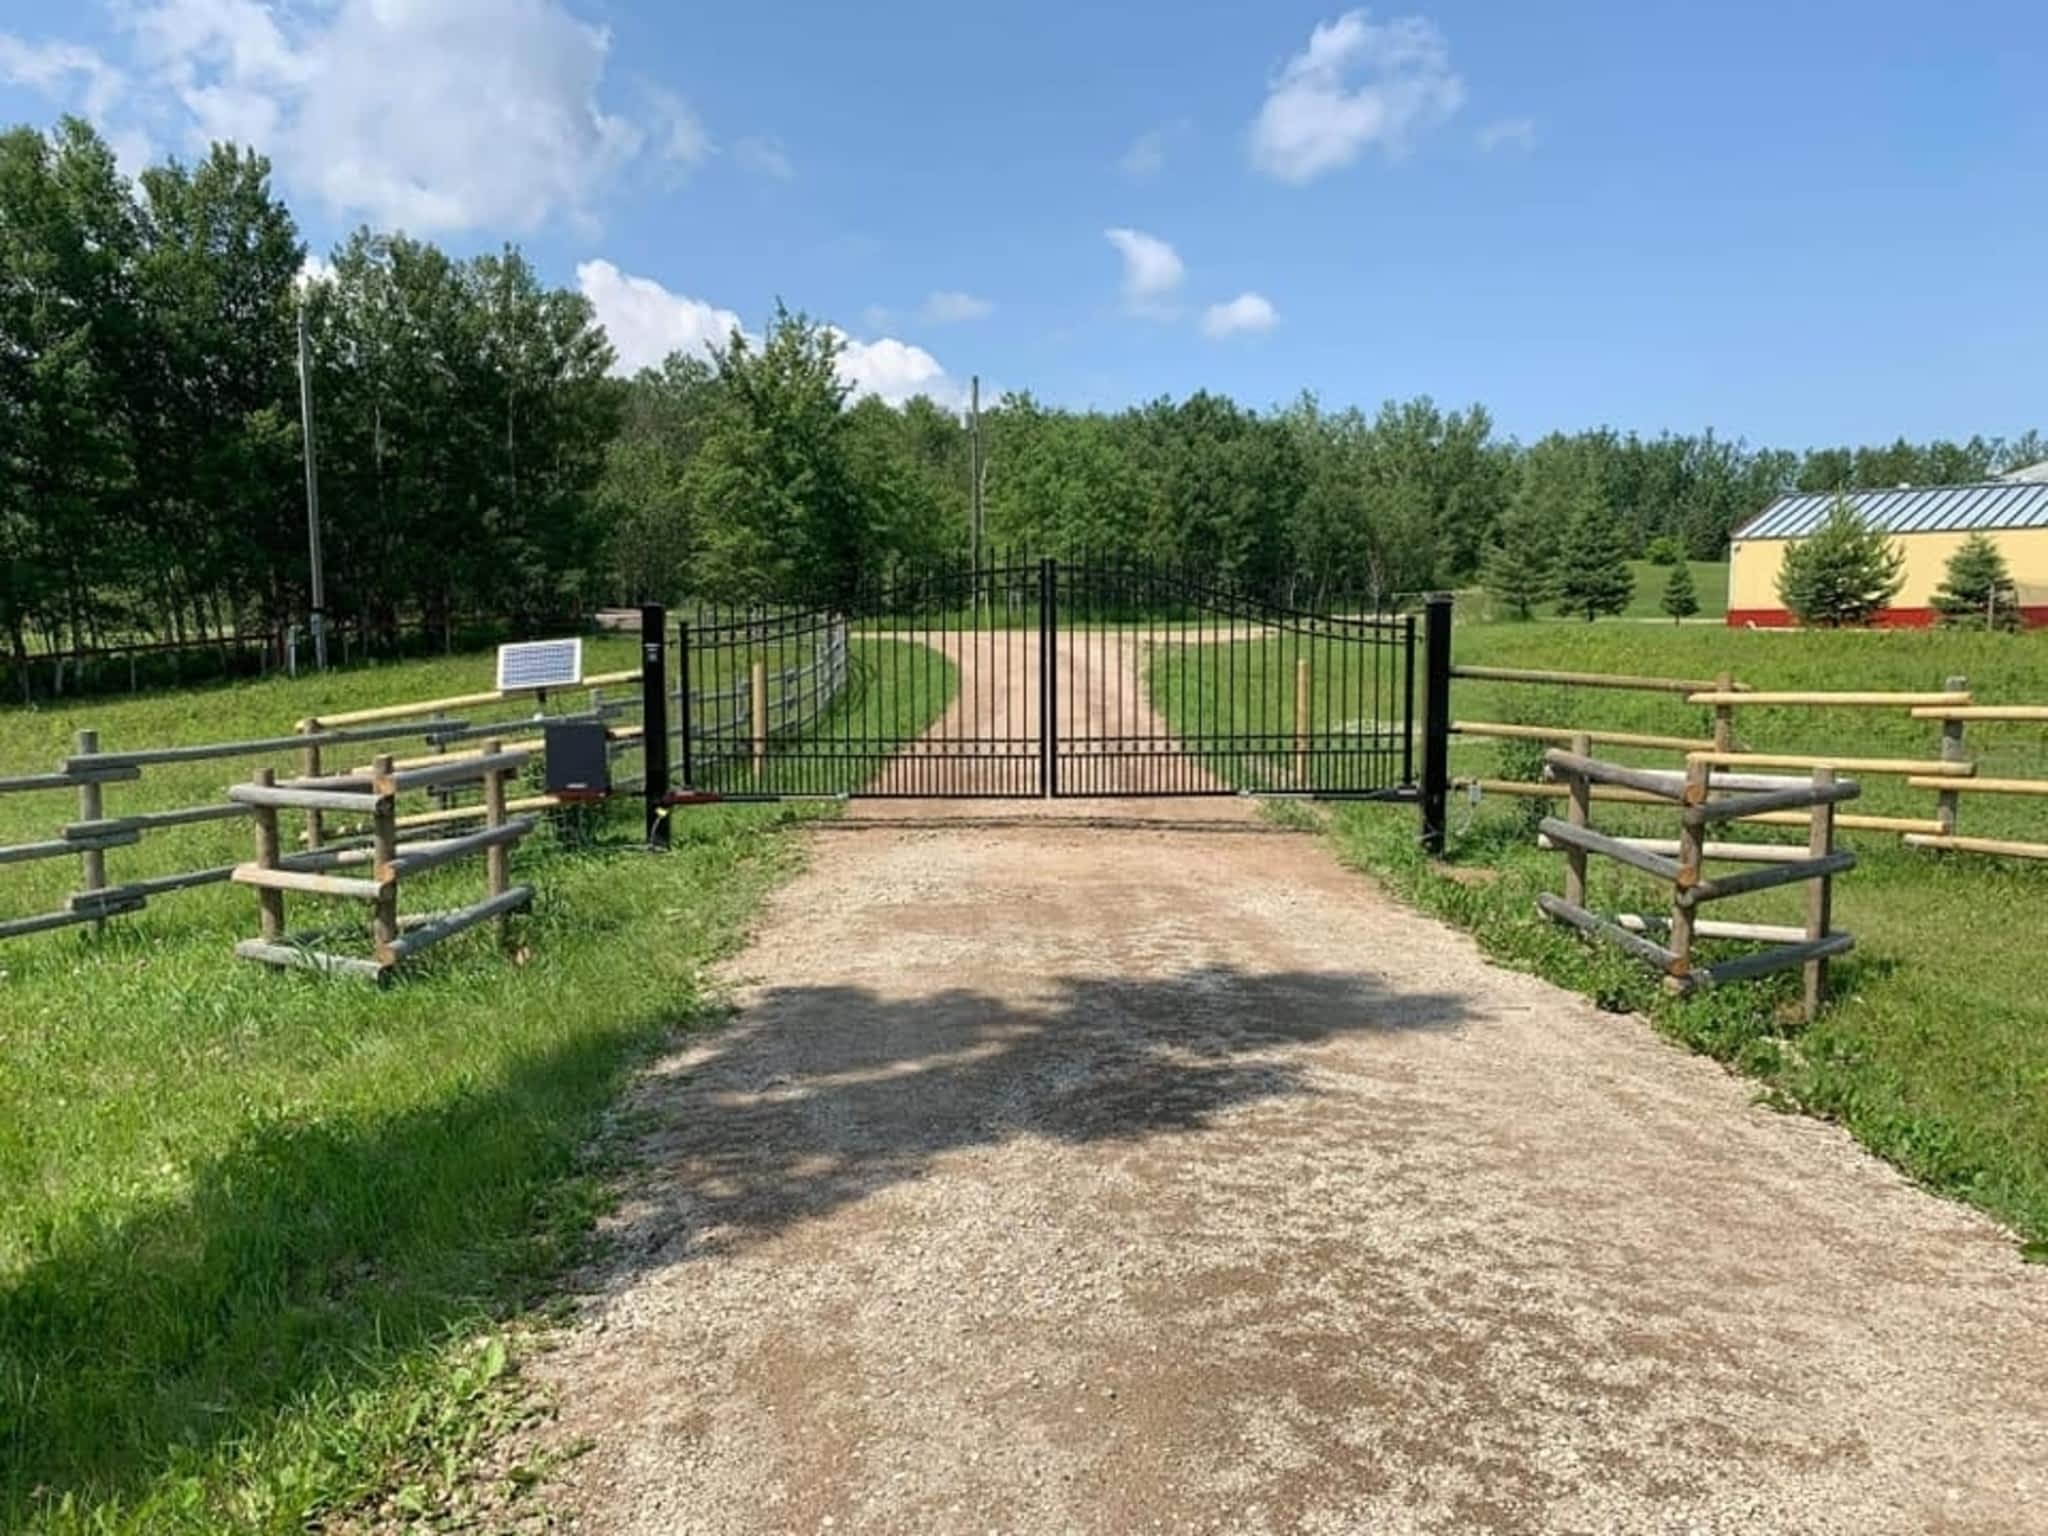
x=654, y=721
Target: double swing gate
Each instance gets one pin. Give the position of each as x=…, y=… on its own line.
x=1046, y=678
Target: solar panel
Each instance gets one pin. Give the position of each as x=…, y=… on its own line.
x=540, y=664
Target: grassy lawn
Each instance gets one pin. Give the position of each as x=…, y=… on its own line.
x=265, y=1234
x=1709, y=584
x=1935, y=1051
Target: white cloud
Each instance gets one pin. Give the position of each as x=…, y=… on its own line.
x=314, y=269
x=678, y=134
x=1508, y=133
x=646, y=322
x=1359, y=83
x=764, y=157
x=949, y=307
x=61, y=71
x=1152, y=271
x=1247, y=314
x=1146, y=157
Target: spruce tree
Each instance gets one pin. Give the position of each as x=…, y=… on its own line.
x=1977, y=592
x=1593, y=575
x=1519, y=567
x=1841, y=573
x=1680, y=600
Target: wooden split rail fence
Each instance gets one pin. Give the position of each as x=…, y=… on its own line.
x=1666, y=942
x=1949, y=773
x=395, y=938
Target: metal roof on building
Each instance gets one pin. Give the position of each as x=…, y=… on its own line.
x=1922, y=509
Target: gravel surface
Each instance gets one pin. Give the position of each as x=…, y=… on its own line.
x=1098, y=1168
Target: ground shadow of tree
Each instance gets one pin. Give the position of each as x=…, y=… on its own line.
x=819, y=1096
x=282, y=1273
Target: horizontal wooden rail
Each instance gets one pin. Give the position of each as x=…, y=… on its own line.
x=459, y=770
x=1980, y=786
x=1588, y=922
x=1820, y=700
x=1928, y=767
x=152, y=821
x=43, y=922
x=1564, y=736
x=1617, y=849
x=421, y=707
x=1732, y=853
x=306, y=958
x=2037, y=713
x=1739, y=807
x=1851, y=821
x=1992, y=845
x=1766, y=962
x=416, y=858
x=428, y=934
x=285, y=797
x=310, y=882
x=1663, y=786
x=1715, y=928
x=1769, y=877
x=29, y=782
x=1586, y=679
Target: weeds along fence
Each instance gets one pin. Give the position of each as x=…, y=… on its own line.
x=1666, y=941
x=1947, y=772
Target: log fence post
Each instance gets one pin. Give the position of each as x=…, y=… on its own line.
x=309, y=768
x=92, y=807
x=1302, y=692
x=1947, y=802
x=384, y=841
x=497, y=857
x=1724, y=714
x=269, y=902
x=1579, y=814
x=1820, y=895
x=757, y=698
x=1691, y=851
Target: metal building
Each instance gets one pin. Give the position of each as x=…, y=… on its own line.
x=1927, y=523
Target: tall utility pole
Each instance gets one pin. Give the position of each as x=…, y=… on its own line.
x=319, y=614
x=974, y=476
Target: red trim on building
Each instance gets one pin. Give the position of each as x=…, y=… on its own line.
x=2031, y=617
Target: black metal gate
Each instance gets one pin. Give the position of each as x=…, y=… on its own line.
x=1046, y=678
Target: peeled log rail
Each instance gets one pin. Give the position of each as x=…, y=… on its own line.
x=309, y=882
x=1618, y=849
x=1992, y=845
x=1660, y=785
x=1733, y=853
x=307, y=959
x=1588, y=680
x=414, y=858
x=1748, y=967
x=1981, y=786
x=1850, y=700
x=453, y=701
x=1720, y=887
x=1589, y=922
x=1564, y=736
x=1716, y=928
x=286, y=797
x=1845, y=820
x=1906, y=765
x=426, y=935
x=149, y=821
x=35, y=781
x=2037, y=713
x=1740, y=807
x=456, y=771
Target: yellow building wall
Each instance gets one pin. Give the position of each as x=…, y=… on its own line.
x=1753, y=567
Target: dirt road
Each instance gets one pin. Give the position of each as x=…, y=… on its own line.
x=1152, y=1173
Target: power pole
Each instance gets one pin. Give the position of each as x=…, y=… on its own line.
x=974, y=477
x=319, y=614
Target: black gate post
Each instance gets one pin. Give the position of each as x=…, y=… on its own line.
x=1436, y=705
x=654, y=719
x=1048, y=677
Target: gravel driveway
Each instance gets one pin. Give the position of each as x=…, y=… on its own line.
x=1073, y=1168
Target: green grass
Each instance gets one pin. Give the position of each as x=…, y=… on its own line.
x=1935, y=1050
x=265, y=1234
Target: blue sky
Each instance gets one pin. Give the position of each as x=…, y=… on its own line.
x=1799, y=223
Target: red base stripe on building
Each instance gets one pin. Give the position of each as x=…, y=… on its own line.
x=2031, y=617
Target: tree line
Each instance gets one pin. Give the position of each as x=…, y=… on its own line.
x=478, y=458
